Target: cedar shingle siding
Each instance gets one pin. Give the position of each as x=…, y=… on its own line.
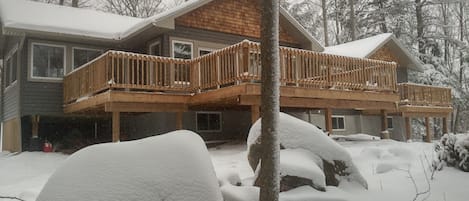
x=240, y=17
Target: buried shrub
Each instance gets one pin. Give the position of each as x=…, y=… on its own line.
x=453, y=150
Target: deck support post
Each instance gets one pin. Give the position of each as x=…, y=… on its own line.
x=444, y=121
x=35, y=126
x=384, y=125
x=179, y=120
x=116, y=126
x=328, y=118
x=428, y=137
x=255, y=113
x=408, y=129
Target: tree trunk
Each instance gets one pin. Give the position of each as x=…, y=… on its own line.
x=61, y=2
x=353, y=24
x=269, y=172
x=75, y=3
x=337, y=27
x=419, y=16
x=382, y=26
x=324, y=22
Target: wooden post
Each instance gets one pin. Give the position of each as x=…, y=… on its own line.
x=35, y=126
x=328, y=118
x=429, y=137
x=408, y=128
x=115, y=126
x=384, y=125
x=445, y=125
x=179, y=120
x=255, y=113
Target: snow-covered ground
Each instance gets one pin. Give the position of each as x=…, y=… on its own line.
x=384, y=164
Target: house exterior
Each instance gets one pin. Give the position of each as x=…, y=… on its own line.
x=76, y=72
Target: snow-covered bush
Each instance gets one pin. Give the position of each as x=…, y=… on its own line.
x=297, y=134
x=453, y=150
x=174, y=166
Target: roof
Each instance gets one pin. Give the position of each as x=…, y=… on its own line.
x=35, y=16
x=50, y=18
x=365, y=48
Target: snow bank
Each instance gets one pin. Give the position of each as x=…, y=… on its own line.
x=240, y=193
x=356, y=137
x=174, y=166
x=297, y=134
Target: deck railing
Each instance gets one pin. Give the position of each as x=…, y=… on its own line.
x=228, y=66
x=424, y=95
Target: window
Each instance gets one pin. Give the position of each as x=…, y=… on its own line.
x=208, y=121
x=48, y=61
x=182, y=50
x=204, y=51
x=390, y=126
x=10, y=69
x=155, y=49
x=338, y=123
x=83, y=55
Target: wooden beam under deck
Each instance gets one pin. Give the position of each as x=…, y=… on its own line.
x=143, y=107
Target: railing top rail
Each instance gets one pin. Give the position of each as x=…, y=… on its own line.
x=423, y=86
x=88, y=63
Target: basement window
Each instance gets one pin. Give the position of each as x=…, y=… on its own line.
x=208, y=121
x=338, y=123
x=390, y=126
x=48, y=61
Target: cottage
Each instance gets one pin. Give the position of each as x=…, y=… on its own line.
x=102, y=77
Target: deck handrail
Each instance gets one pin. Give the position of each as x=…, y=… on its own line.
x=228, y=66
x=424, y=95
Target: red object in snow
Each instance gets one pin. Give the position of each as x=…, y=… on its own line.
x=47, y=147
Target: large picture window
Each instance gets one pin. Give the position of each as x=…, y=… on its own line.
x=182, y=50
x=338, y=122
x=208, y=121
x=48, y=61
x=83, y=55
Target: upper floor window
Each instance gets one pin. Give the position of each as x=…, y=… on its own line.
x=182, y=50
x=204, y=51
x=155, y=49
x=48, y=61
x=338, y=122
x=83, y=55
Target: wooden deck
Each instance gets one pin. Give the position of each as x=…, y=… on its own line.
x=230, y=76
x=119, y=82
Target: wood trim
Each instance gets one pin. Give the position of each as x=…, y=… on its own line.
x=255, y=113
x=408, y=128
x=328, y=120
x=428, y=137
x=115, y=126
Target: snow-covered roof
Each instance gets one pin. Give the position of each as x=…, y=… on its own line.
x=33, y=16
x=364, y=48
x=41, y=17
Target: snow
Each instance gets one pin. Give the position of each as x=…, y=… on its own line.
x=29, y=15
x=359, y=48
x=173, y=166
x=304, y=164
x=23, y=175
x=297, y=134
x=355, y=137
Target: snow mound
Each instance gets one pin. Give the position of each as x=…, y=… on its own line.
x=385, y=167
x=174, y=166
x=356, y=137
x=240, y=193
x=304, y=164
x=298, y=134
x=228, y=177
x=306, y=193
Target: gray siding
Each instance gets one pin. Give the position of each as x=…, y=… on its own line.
x=235, y=125
x=11, y=95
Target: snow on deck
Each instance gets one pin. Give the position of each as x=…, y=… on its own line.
x=359, y=48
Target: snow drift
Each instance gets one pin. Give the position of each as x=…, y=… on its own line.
x=297, y=134
x=174, y=166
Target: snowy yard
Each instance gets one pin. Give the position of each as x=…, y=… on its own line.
x=383, y=163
